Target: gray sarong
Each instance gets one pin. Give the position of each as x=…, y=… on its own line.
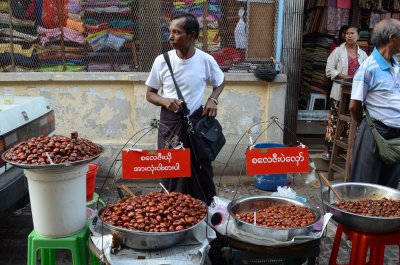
x=366, y=164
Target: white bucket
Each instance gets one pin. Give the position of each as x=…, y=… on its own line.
x=58, y=199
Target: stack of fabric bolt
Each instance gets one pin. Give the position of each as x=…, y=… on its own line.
x=315, y=55
x=212, y=13
x=17, y=36
x=110, y=35
x=61, y=40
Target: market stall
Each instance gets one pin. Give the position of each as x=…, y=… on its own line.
x=148, y=228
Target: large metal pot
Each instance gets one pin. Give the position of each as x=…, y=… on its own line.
x=255, y=203
x=357, y=191
x=146, y=240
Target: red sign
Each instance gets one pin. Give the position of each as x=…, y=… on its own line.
x=277, y=160
x=147, y=164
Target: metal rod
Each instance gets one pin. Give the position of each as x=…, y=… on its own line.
x=164, y=188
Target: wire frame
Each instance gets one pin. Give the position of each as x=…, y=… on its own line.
x=127, y=35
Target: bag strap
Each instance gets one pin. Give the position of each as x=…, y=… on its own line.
x=371, y=125
x=186, y=111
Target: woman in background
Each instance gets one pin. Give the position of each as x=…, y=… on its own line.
x=341, y=38
x=342, y=64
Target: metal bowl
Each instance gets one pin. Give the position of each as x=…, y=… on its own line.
x=146, y=240
x=255, y=203
x=67, y=164
x=357, y=191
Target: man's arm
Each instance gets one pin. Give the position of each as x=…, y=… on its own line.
x=356, y=110
x=172, y=104
x=210, y=109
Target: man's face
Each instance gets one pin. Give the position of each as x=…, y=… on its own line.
x=396, y=44
x=395, y=41
x=178, y=38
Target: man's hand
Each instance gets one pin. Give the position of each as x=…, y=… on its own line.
x=172, y=104
x=210, y=109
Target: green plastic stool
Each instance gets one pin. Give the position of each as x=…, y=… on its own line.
x=76, y=243
x=93, y=259
x=96, y=198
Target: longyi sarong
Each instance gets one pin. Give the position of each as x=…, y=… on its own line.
x=173, y=129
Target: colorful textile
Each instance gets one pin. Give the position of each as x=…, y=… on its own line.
x=60, y=68
x=75, y=25
x=6, y=47
x=48, y=35
x=344, y=4
x=51, y=16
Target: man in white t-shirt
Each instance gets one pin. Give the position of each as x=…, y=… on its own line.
x=192, y=69
x=376, y=86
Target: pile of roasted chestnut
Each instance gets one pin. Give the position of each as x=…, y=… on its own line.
x=378, y=208
x=155, y=212
x=56, y=149
x=279, y=216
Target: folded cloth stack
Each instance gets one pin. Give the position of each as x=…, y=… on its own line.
x=17, y=39
x=110, y=36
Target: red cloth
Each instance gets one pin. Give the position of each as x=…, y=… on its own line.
x=344, y=4
x=50, y=13
x=31, y=10
x=353, y=66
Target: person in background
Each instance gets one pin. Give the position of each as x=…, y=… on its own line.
x=240, y=30
x=376, y=86
x=192, y=68
x=342, y=64
x=341, y=38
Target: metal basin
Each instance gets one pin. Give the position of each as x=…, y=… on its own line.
x=61, y=165
x=357, y=191
x=146, y=240
x=255, y=203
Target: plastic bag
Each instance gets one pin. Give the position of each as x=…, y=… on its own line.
x=288, y=193
x=285, y=191
x=311, y=179
x=218, y=214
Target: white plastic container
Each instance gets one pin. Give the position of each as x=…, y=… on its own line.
x=58, y=199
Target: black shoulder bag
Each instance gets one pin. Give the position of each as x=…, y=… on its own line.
x=205, y=134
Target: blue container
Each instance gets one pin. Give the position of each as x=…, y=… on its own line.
x=269, y=182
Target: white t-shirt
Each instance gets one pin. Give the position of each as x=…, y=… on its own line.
x=191, y=75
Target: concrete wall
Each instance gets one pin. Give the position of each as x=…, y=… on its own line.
x=110, y=108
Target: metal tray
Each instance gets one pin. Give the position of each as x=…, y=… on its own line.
x=255, y=203
x=357, y=191
x=146, y=240
x=69, y=164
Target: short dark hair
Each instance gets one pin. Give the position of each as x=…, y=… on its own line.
x=343, y=28
x=383, y=30
x=191, y=23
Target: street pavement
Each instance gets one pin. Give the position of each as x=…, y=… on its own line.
x=15, y=228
